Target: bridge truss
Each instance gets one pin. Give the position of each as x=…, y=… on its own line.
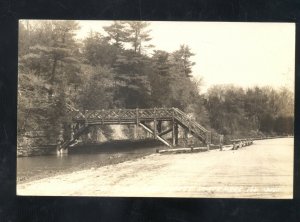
x=148, y=119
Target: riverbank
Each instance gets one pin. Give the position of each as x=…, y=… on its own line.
x=263, y=170
x=83, y=157
x=111, y=159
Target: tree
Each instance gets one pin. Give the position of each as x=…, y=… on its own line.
x=48, y=67
x=62, y=46
x=285, y=102
x=160, y=79
x=180, y=60
x=53, y=50
x=132, y=80
x=97, y=92
x=98, y=51
x=117, y=33
x=138, y=35
x=255, y=102
x=182, y=90
x=226, y=110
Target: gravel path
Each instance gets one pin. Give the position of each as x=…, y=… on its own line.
x=263, y=170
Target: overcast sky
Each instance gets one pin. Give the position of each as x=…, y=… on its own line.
x=245, y=54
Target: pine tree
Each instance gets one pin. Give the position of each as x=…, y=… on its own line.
x=160, y=79
x=132, y=80
x=181, y=60
x=139, y=35
x=117, y=33
x=98, y=51
x=48, y=67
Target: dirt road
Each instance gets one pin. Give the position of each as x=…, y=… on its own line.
x=263, y=170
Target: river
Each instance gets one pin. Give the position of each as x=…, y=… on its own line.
x=36, y=167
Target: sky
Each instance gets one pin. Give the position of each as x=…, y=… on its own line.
x=243, y=54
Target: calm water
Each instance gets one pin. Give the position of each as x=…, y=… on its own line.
x=42, y=166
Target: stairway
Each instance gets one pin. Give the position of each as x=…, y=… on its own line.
x=192, y=126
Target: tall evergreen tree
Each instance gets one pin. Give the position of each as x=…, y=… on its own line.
x=181, y=60
x=183, y=90
x=117, y=33
x=139, y=35
x=132, y=80
x=97, y=50
x=160, y=79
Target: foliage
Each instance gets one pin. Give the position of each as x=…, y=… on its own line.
x=138, y=35
x=233, y=110
x=117, y=33
x=117, y=70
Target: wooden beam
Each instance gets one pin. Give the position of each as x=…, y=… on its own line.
x=165, y=132
x=135, y=131
x=155, y=130
x=186, y=132
x=173, y=133
x=159, y=126
x=157, y=137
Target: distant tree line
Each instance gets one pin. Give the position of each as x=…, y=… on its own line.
x=116, y=70
x=255, y=111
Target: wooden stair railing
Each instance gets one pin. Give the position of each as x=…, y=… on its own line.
x=193, y=127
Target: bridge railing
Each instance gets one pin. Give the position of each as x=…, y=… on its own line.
x=130, y=115
x=187, y=119
x=127, y=114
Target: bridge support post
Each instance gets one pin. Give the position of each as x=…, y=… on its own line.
x=174, y=133
x=62, y=152
x=155, y=128
x=159, y=123
x=135, y=133
x=186, y=137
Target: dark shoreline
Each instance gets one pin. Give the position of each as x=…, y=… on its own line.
x=111, y=160
x=111, y=145
x=113, y=157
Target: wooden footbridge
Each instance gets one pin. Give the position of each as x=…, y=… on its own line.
x=149, y=119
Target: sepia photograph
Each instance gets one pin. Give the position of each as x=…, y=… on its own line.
x=155, y=109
